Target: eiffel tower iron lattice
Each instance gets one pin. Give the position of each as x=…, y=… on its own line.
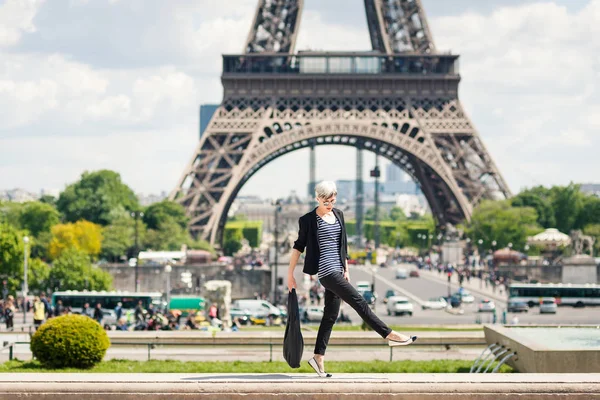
x=400, y=101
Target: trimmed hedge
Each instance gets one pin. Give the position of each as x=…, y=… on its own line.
x=70, y=341
x=250, y=230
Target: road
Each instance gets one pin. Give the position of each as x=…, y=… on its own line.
x=422, y=288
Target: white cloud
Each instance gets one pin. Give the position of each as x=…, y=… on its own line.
x=539, y=64
x=117, y=84
x=16, y=18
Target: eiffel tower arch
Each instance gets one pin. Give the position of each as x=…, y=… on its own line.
x=399, y=100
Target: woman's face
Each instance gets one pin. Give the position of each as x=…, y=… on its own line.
x=327, y=204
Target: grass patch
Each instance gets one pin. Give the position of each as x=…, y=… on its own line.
x=413, y=328
x=356, y=328
x=173, y=366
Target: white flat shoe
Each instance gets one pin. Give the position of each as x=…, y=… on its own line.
x=406, y=342
x=313, y=363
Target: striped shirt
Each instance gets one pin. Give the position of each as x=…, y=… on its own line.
x=328, y=236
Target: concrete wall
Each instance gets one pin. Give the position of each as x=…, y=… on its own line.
x=188, y=279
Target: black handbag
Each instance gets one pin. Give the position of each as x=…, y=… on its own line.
x=293, y=342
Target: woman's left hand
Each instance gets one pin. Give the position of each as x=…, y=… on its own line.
x=347, y=275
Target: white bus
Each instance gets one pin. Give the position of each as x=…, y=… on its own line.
x=565, y=293
x=76, y=299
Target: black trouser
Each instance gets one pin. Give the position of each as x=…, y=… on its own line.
x=338, y=289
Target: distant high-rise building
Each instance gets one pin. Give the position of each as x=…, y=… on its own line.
x=206, y=113
x=398, y=182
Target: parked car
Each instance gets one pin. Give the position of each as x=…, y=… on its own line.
x=435, y=303
x=517, y=306
x=369, y=296
x=258, y=308
x=486, y=305
x=401, y=273
x=465, y=296
x=548, y=305
x=312, y=314
x=414, y=273
x=389, y=294
x=399, y=305
x=243, y=316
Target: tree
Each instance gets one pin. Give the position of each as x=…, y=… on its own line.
x=594, y=231
x=232, y=241
x=163, y=211
x=397, y=214
x=370, y=214
x=539, y=199
x=11, y=256
x=74, y=271
x=10, y=213
x=567, y=202
x=82, y=235
x=169, y=236
x=590, y=212
x=38, y=217
x=95, y=196
x=499, y=221
x=118, y=238
x=37, y=276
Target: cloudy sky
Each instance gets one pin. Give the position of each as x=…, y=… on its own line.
x=116, y=84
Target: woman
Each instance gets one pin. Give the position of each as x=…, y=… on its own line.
x=323, y=233
x=39, y=312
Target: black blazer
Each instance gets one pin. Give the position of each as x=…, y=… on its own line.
x=307, y=238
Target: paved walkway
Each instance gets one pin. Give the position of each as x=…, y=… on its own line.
x=261, y=386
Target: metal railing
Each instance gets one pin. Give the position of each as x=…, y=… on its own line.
x=154, y=344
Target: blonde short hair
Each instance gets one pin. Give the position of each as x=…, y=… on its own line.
x=325, y=189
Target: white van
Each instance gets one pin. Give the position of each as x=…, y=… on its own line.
x=257, y=308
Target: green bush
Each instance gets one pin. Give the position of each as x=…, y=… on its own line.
x=70, y=341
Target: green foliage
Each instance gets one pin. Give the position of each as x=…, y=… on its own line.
x=169, y=236
x=95, y=196
x=370, y=214
x=196, y=367
x=74, y=271
x=539, y=199
x=499, y=221
x=37, y=275
x=10, y=213
x=70, y=341
x=38, y=217
x=200, y=244
x=397, y=214
x=11, y=255
x=567, y=202
x=118, y=238
x=251, y=230
x=230, y=247
x=401, y=233
x=232, y=240
x=164, y=211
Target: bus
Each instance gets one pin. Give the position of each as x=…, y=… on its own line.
x=129, y=300
x=564, y=293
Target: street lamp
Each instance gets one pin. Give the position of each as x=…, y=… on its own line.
x=510, y=245
x=137, y=215
x=25, y=287
x=168, y=270
x=274, y=266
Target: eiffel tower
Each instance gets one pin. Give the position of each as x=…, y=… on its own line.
x=399, y=100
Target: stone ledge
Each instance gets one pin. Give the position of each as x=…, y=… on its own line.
x=260, y=386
